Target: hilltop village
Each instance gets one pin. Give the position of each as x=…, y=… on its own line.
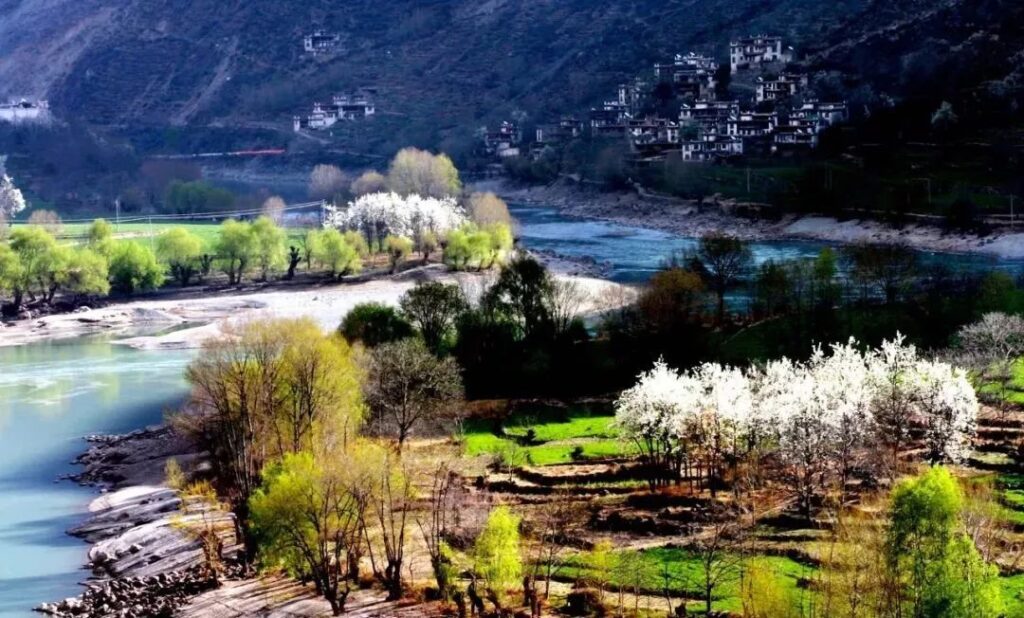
x=754, y=105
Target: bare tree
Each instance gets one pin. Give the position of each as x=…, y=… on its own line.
x=392, y=496
x=887, y=266
x=717, y=548
x=274, y=207
x=440, y=516
x=553, y=524
x=566, y=300
x=407, y=385
x=326, y=182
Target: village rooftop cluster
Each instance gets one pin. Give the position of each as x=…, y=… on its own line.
x=766, y=110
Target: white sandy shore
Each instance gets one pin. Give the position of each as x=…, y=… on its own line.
x=686, y=218
x=193, y=319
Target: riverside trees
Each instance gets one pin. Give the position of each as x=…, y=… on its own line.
x=818, y=416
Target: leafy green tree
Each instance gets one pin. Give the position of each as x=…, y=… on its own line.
x=43, y=261
x=334, y=252
x=100, y=237
x=357, y=241
x=196, y=197
x=84, y=273
x=236, y=247
x=134, y=267
x=457, y=252
x=268, y=241
x=434, y=307
x=180, y=249
x=312, y=246
x=12, y=279
x=374, y=324
x=398, y=248
x=307, y=519
x=417, y=172
x=929, y=551
x=496, y=554
x=725, y=258
x=522, y=295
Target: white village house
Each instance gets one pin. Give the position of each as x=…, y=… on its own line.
x=24, y=111
x=320, y=42
x=752, y=51
x=343, y=107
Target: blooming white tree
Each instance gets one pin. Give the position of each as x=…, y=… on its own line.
x=948, y=409
x=379, y=215
x=11, y=200
x=725, y=412
x=842, y=392
x=656, y=414
x=893, y=388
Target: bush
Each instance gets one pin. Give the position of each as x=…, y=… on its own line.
x=374, y=324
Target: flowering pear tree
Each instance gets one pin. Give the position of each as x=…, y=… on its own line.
x=726, y=410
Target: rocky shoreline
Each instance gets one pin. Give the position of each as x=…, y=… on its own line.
x=145, y=560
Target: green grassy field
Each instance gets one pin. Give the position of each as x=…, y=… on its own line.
x=679, y=571
x=557, y=434
x=208, y=232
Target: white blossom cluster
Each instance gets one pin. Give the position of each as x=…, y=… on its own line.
x=382, y=214
x=817, y=415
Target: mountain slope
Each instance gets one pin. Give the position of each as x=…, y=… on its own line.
x=444, y=67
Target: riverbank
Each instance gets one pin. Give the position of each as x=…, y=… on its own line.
x=146, y=556
x=184, y=321
x=688, y=218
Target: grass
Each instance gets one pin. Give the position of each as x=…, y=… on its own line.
x=556, y=435
x=680, y=571
x=1012, y=589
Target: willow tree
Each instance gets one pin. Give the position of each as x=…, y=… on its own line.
x=307, y=518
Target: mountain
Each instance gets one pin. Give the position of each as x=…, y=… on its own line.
x=442, y=68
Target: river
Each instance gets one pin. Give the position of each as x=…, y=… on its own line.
x=632, y=253
x=51, y=395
